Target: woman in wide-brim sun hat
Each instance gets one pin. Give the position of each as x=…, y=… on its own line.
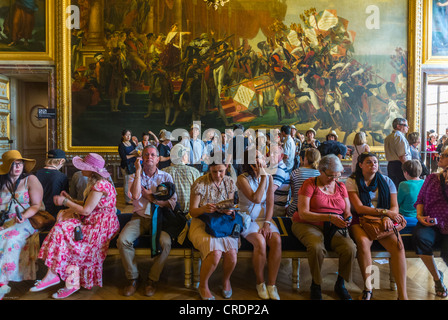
x=19, y=243
x=10, y=156
x=92, y=162
x=96, y=216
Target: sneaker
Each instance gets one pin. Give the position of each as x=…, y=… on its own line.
x=64, y=293
x=39, y=285
x=273, y=293
x=4, y=290
x=262, y=291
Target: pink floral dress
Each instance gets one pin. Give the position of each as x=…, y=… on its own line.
x=61, y=252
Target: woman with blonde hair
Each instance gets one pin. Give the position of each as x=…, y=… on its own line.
x=360, y=144
x=299, y=175
x=79, y=240
x=52, y=179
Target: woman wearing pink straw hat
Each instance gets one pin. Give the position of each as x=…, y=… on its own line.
x=77, y=256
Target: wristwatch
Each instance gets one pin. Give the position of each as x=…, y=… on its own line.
x=268, y=222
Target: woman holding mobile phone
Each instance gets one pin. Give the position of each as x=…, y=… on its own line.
x=432, y=226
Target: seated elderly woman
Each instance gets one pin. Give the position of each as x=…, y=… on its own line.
x=256, y=198
x=19, y=241
x=76, y=246
x=432, y=226
x=320, y=222
x=206, y=192
x=371, y=193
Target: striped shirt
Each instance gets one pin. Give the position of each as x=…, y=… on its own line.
x=281, y=195
x=298, y=177
x=184, y=177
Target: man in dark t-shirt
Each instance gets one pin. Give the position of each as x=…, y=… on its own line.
x=53, y=181
x=164, y=150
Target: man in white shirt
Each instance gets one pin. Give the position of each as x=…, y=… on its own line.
x=142, y=188
x=289, y=147
x=397, y=150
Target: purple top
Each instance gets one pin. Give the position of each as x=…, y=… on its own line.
x=434, y=203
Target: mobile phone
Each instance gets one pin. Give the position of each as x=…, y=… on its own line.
x=349, y=219
x=19, y=215
x=431, y=220
x=236, y=231
x=78, y=233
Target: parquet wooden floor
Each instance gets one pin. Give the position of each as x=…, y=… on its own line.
x=419, y=282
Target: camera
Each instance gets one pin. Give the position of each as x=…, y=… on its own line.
x=3, y=216
x=78, y=233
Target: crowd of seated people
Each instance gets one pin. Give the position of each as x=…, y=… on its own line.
x=286, y=176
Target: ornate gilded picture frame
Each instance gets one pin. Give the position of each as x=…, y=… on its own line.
x=369, y=45
x=27, y=30
x=435, y=24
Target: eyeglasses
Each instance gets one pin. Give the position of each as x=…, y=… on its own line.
x=404, y=124
x=335, y=177
x=18, y=164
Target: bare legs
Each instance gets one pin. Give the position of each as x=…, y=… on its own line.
x=209, y=265
x=259, y=256
x=397, y=261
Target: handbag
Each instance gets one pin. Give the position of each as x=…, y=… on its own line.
x=42, y=220
x=39, y=221
x=222, y=225
x=375, y=228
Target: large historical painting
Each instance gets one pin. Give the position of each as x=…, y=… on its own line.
x=439, y=28
x=149, y=65
x=23, y=26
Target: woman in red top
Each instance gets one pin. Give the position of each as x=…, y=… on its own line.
x=320, y=224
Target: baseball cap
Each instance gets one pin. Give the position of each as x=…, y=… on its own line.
x=56, y=154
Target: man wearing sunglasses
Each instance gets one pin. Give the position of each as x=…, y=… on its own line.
x=397, y=150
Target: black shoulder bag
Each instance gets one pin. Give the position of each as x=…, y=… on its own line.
x=4, y=214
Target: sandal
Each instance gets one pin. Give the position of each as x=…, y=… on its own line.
x=367, y=295
x=441, y=290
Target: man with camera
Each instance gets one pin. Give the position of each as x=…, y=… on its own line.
x=142, y=188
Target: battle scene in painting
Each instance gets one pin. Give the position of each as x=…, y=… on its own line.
x=162, y=64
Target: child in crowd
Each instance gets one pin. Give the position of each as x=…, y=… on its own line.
x=408, y=191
